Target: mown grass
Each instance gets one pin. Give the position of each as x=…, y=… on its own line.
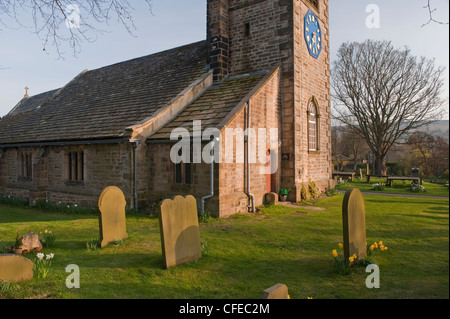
x=398, y=187
x=245, y=254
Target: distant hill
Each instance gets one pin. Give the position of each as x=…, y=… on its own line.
x=439, y=128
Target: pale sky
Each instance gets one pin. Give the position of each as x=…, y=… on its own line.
x=174, y=23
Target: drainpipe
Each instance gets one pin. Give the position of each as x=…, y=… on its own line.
x=211, y=195
x=135, y=146
x=249, y=194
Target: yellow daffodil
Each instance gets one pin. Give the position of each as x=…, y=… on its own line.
x=335, y=254
x=351, y=259
x=380, y=243
x=340, y=245
x=375, y=244
x=372, y=247
x=310, y=297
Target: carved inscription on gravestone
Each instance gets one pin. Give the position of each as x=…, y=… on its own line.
x=354, y=222
x=112, y=216
x=180, y=234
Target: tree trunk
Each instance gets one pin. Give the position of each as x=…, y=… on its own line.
x=380, y=164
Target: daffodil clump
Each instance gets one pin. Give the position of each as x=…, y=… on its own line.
x=42, y=265
x=376, y=246
x=341, y=263
x=48, y=238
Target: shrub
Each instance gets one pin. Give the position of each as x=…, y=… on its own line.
x=306, y=196
x=313, y=189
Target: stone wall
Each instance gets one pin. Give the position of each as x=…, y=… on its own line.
x=104, y=165
x=264, y=113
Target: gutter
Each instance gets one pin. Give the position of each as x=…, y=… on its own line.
x=66, y=143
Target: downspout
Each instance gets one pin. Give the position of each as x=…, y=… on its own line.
x=135, y=146
x=249, y=194
x=211, y=195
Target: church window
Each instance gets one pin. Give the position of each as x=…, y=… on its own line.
x=75, y=166
x=313, y=127
x=25, y=166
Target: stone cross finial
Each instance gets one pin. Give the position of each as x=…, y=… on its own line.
x=26, y=92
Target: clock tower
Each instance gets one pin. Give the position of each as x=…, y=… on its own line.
x=245, y=36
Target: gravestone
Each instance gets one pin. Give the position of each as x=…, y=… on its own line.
x=354, y=222
x=180, y=234
x=15, y=268
x=113, y=226
x=279, y=291
x=271, y=199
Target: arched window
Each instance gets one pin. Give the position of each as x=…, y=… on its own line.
x=313, y=126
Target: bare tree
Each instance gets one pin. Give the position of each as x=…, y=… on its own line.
x=382, y=93
x=429, y=152
x=71, y=22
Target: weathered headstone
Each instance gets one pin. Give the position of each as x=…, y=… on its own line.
x=279, y=291
x=180, y=234
x=354, y=222
x=112, y=216
x=271, y=199
x=15, y=268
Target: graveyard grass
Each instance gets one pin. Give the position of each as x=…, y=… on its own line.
x=245, y=254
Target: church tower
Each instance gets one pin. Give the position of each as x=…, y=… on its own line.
x=245, y=36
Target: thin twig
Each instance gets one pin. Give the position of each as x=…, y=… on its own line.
x=430, y=12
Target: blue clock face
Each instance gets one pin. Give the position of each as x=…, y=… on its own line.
x=313, y=34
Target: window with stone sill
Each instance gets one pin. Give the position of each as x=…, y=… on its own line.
x=74, y=167
x=25, y=166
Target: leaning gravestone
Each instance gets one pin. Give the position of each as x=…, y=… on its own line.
x=180, y=234
x=354, y=222
x=15, y=268
x=112, y=216
x=279, y=291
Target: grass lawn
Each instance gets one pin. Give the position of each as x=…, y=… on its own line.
x=398, y=187
x=245, y=254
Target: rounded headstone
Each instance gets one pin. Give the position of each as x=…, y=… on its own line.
x=354, y=224
x=113, y=227
x=15, y=268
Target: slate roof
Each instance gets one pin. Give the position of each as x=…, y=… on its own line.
x=32, y=103
x=102, y=103
x=214, y=105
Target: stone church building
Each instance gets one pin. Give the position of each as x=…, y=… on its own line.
x=265, y=64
